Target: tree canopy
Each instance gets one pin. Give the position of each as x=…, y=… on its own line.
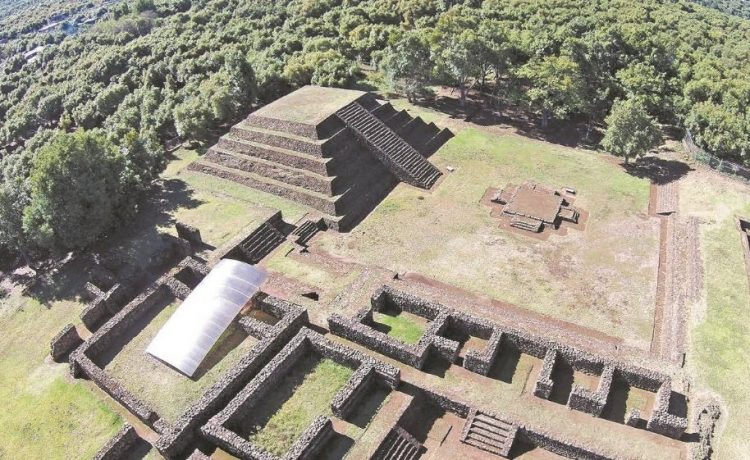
x=631, y=132
x=187, y=69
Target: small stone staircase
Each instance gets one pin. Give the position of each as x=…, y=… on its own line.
x=402, y=159
x=306, y=231
x=398, y=445
x=525, y=223
x=261, y=242
x=489, y=433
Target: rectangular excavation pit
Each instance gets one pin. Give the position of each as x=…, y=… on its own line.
x=157, y=384
x=304, y=393
x=400, y=325
x=301, y=402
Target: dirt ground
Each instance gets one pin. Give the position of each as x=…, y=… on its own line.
x=603, y=277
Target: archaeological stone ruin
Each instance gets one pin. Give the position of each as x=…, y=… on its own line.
x=337, y=151
x=475, y=378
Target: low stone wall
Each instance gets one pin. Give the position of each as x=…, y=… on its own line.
x=120, y=445
x=102, y=304
x=563, y=447
x=85, y=366
x=661, y=421
x=190, y=234
x=219, y=428
x=481, y=361
x=348, y=397
x=592, y=402
x=64, y=342
x=543, y=385
x=705, y=426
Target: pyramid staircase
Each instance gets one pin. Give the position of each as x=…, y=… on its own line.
x=398, y=155
x=489, y=433
x=325, y=166
x=398, y=445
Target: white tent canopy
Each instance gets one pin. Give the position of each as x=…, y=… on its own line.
x=190, y=333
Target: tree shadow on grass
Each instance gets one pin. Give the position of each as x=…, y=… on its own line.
x=659, y=171
x=486, y=110
x=136, y=252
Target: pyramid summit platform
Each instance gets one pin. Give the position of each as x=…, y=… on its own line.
x=337, y=151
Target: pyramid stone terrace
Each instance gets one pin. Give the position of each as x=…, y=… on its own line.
x=335, y=150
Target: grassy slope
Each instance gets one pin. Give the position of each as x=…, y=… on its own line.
x=720, y=337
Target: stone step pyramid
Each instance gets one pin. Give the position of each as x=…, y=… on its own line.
x=300, y=147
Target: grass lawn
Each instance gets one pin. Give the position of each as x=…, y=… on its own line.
x=603, y=277
x=403, y=326
x=302, y=395
x=720, y=337
x=45, y=414
x=165, y=390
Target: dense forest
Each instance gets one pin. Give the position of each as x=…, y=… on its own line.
x=156, y=70
x=739, y=8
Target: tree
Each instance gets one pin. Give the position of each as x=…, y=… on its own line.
x=408, y=64
x=14, y=197
x=457, y=49
x=720, y=131
x=75, y=191
x=194, y=119
x=631, y=132
x=556, y=86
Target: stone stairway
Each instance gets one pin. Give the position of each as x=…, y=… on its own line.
x=261, y=242
x=525, y=223
x=306, y=231
x=489, y=433
x=398, y=445
x=402, y=159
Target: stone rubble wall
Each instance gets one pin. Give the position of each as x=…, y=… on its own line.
x=550, y=351
x=120, y=445
x=481, y=361
x=705, y=425
x=102, y=305
x=188, y=233
x=64, y=342
x=592, y=402
x=543, y=385
x=661, y=420
x=564, y=447
x=85, y=366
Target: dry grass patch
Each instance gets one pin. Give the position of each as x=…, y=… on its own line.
x=603, y=277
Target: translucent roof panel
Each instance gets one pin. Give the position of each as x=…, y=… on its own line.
x=193, y=329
